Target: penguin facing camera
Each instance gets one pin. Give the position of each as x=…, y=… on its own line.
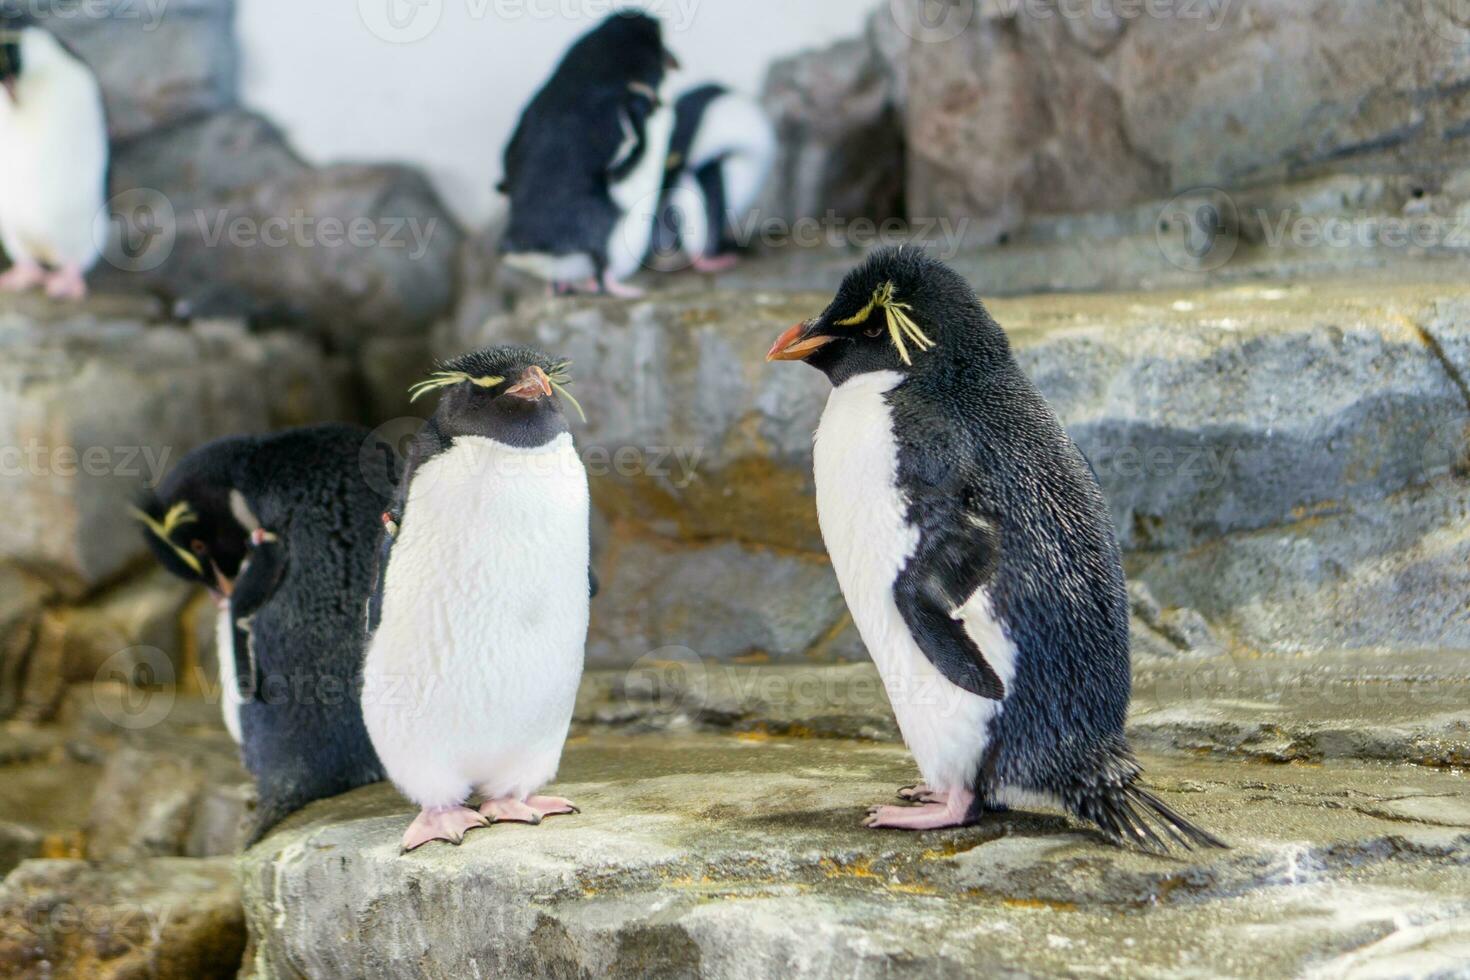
x=720, y=155
x=281, y=530
x=53, y=171
x=585, y=162
x=481, y=605
x=977, y=555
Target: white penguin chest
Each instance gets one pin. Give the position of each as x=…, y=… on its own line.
x=861, y=509
x=487, y=584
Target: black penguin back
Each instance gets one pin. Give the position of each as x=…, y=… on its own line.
x=558, y=159
x=322, y=490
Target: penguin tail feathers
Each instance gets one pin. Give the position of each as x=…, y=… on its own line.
x=1131, y=815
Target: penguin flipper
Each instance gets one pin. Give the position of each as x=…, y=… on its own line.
x=951, y=564
x=593, y=585
x=257, y=582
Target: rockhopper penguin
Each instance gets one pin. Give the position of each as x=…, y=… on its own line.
x=585, y=163
x=282, y=530
x=721, y=152
x=479, y=619
x=977, y=555
x=53, y=166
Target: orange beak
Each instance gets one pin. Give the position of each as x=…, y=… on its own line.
x=791, y=346
x=534, y=385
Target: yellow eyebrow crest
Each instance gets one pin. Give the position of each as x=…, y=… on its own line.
x=178, y=515
x=901, y=326
x=446, y=379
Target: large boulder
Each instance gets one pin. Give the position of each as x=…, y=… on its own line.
x=1203, y=414
x=838, y=119
x=223, y=217
x=159, y=62
x=1047, y=108
x=163, y=918
x=100, y=400
x=745, y=856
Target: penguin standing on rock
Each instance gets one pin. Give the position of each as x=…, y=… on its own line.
x=977, y=555
x=585, y=163
x=721, y=152
x=281, y=529
x=479, y=619
x=53, y=161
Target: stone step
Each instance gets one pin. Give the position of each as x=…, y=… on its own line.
x=743, y=855
x=1403, y=707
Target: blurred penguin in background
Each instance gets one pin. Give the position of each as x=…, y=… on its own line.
x=282, y=529
x=720, y=155
x=586, y=161
x=53, y=165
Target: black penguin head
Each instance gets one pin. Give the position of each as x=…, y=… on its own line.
x=14, y=23
x=196, y=523
x=628, y=46
x=510, y=394
x=899, y=311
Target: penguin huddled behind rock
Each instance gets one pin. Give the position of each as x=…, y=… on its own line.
x=977, y=556
x=479, y=618
x=282, y=530
x=722, y=150
x=585, y=162
x=53, y=161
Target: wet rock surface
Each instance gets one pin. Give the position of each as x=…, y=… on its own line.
x=725, y=856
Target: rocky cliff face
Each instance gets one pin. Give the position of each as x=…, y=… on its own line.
x=1222, y=425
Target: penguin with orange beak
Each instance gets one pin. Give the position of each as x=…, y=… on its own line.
x=479, y=618
x=976, y=552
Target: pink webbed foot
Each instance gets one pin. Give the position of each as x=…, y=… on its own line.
x=22, y=276
x=507, y=809
x=67, y=284
x=919, y=793
x=550, y=806
x=927, y=816
x=621, y=290
x=447, y=823
x=716, y=263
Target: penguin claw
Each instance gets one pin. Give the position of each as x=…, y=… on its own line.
x=919, y=793
x=550, y=806
x=509, y=810
x=441, y=823
x=926, y=816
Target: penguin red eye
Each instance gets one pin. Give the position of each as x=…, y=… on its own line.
x=197, y=547
x=873, y=332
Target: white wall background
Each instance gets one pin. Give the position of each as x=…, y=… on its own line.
x=440, y=83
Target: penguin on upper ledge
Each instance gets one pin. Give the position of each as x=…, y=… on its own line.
x=53, y=167
x=586, y=160
x=977, y=555
x=282, y=529
x=720, y=155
